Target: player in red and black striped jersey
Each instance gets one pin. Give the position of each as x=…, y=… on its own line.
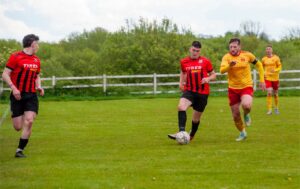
x=25, y=69
x=22, y=75
x=196, y=73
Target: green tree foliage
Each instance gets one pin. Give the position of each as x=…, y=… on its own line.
x=146, y=47
x=6, y=48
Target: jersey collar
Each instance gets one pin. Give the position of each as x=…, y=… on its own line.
x=27, y=54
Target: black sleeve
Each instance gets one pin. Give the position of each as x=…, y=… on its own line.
x=254, y=61
x=9, y=68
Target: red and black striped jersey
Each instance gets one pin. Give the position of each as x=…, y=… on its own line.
x=24, y=70
x=195, y=70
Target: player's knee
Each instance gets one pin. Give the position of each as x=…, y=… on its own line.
x=236, y=117
x=18, y=127
x=247, y=106
x=29, y=120
x=195, y=120
x=181, y=108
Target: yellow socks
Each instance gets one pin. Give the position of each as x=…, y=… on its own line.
x=239, y=124
x=269, y=103
x=276, y=101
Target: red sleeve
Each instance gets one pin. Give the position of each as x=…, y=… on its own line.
x=12, y=63
x=209, y=66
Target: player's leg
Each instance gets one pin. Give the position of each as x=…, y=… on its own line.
x=235, y=99
x=269, y=96
x=183, y=105
x=31, y=106
x=28, y=119
x=276, y=97
x=236, y=115
x=269, y=100
x=276, y=102
x=195, y=123
x=17, y=109
x=235, y=110
x=17, y=122
x=246, y=102
x=199, y=105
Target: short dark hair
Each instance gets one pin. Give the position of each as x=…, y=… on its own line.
x=235, y=40
x=270, y=45
x=196, y=44
x=28, y=39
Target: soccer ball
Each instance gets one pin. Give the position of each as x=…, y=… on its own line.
x=183, y=137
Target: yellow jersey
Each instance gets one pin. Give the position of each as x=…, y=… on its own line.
x=272, y=67
x=239, y=75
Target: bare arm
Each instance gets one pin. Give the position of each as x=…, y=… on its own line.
x=182, y=80
x=6, y=77
x=39, y=85
x=212, y=76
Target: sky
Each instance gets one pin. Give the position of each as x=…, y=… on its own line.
x=54, y=20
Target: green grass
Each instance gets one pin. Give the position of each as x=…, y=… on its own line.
x=123, y=144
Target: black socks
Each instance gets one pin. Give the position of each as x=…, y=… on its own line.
x=195, y=126
x=22, y=144
x=181, y=120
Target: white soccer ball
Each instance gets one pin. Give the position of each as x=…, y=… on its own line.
x=183, y=137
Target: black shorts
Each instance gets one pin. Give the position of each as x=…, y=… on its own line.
x=199, y=101
x=28, y=102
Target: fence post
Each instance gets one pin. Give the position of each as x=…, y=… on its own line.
x=254, y=80
x=104, y=83
x=1, y=87
x=53, y=81
x=154, y=84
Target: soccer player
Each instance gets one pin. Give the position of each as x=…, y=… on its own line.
x=240, y=90
x=272, y=67
x=196, y=73
x=22, y=76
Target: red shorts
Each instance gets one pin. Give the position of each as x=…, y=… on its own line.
x=235, y=95
x=272, y=84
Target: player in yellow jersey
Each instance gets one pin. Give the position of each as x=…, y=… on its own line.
x=272, y=67
x=240, y=85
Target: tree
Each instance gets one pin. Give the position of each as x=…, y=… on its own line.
x=293, y=33
x=6, y=48
x=250, y=28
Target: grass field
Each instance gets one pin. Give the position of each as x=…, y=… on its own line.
x=123, y=144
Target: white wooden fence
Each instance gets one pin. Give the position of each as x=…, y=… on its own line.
x=106, y=81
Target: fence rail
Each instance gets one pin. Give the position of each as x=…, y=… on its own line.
x=106, y=81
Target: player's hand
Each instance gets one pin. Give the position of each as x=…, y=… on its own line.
x=41, y=91
x=262, y=86
x=232, y=63
x=16, y=93
x=181, y=87
x=205, y=80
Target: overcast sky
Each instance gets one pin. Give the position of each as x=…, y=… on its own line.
x=54, y=20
